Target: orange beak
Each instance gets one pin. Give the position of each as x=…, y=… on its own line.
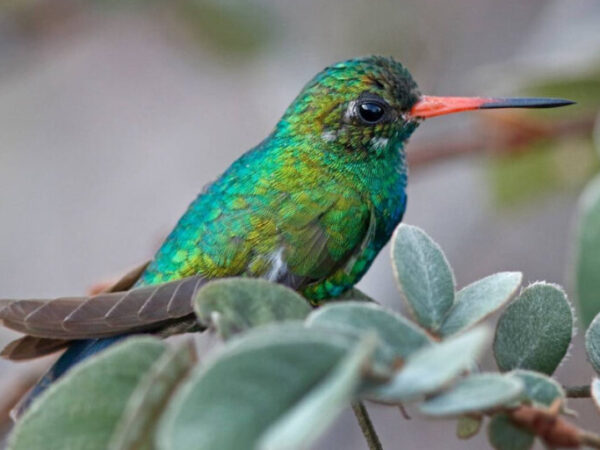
x=430, y=106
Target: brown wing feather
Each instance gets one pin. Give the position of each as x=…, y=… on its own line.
x=102, y=315
x=29, y=347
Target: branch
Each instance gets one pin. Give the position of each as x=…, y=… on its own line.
x=366, y=426
x=553, y=429
x=578, y=391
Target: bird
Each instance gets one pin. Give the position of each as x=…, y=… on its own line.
x=309, y=207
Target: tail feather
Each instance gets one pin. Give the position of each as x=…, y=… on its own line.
x=102, y=315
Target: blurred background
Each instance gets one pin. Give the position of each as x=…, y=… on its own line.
x=113, y=115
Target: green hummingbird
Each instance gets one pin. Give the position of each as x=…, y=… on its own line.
x=310, y=207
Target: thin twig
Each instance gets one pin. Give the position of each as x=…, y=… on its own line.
x=590, y=439
x=366, y=426
x=578, y=391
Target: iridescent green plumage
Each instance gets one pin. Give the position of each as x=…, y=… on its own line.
x=312, y=205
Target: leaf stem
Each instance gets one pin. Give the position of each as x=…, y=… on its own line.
x=578, y=391
x=366, y=426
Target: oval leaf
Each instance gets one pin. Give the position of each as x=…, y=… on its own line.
x=433, y=367
x=535, y=331
x=595, y=390
x=468, y=426
x=234, y=305
x=135, y=429
x=301, y=426
x=592, y=343
x=474, y=394
x=504, y=435
x=423, y=274
x=587, y=258
x=248, y=387
x=480, y=299
x=538, y=388
x=400, y=334
x=82, y=409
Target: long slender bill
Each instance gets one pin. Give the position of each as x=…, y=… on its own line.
x=431, y=106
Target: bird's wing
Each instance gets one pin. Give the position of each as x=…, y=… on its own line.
x=102, y=315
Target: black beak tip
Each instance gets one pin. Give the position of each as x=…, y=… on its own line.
x=526, y=103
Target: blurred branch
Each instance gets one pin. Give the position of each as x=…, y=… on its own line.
x=578, y=391
x=506, y=134
x=366, y=426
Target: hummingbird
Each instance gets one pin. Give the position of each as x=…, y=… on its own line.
x=309, y=207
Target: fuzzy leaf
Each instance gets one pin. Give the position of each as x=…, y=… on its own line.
x=433, y=367
x=535, y=331
x=476, y=393
x=250, y=385
x=595, y=389
x=468, y=426
x=298, y=428
x=592, y=343
x=423, y=274
x=480, y=299
x=82, y=409
x=135, y=429
x=587, y=258
x=504, y=435
x=236, y=304
x=400, y=334
x=538, y=388
x=354, y=294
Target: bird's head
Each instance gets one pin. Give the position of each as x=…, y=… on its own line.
x=365, y=107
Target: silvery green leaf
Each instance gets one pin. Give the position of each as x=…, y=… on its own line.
x=539, y=388
x=473, y=394
x=433, y=367
x=307, y=420
x=399, y=333
x=83, y=408
x=248, y=386
x=480, y=299
x=592, y=343
x=234, y=305
x=595, y=390
x=535, y=330
x=423, y=274
x=136, y=426
x=504, y=435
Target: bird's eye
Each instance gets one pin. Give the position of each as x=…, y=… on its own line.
x=370, y=112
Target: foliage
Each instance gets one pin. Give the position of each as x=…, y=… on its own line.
x=285, y=371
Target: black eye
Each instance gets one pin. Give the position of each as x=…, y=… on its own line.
x=370, y=112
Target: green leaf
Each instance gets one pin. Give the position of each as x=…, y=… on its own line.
x=504, y=435
x=250, y=385
x=82, y=409
x=234, y=305
x=135, y=430
x=538, y=388
x=301, y=426
x=433, y=367
x=480, y=299
x=423, y=274
x=587, y=258
x=400, y=334
x=468, y=426
x=474, y=394
x=595, y=390
x=592, y=343
x=535, y=331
